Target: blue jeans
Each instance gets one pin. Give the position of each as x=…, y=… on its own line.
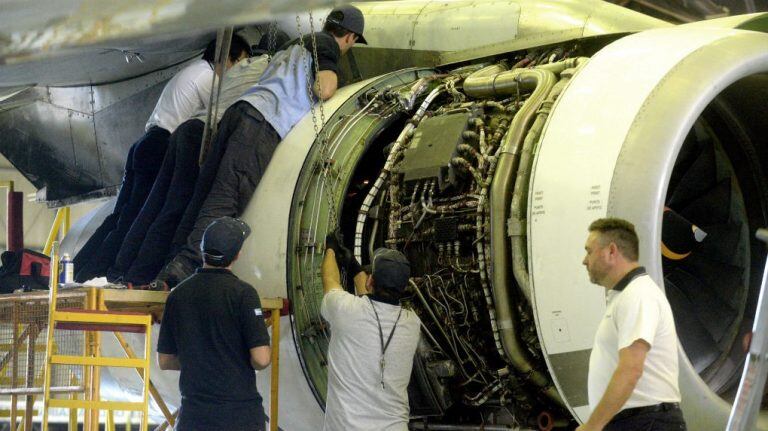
x=148, y=242
x=141, y=168
x=232, y=170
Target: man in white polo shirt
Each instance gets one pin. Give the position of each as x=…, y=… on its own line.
x=633, y=369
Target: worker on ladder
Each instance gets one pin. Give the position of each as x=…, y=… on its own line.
x=251, y=129
x=213, y=331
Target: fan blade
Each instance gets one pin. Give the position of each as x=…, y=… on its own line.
x=695, y=181
x=696, y=340
x=712, y=206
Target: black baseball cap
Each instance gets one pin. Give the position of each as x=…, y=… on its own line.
x=350, y=18
x=390, y=269
x=223, y=239
x=280, y=39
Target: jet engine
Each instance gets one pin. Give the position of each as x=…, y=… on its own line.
x=486, y=176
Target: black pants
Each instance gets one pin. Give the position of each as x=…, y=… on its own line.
x=671, y=420
x=148, y=241
x=232, y=170
x=141, y=168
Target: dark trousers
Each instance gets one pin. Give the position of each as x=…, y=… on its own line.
x=663, y=420
x=148, y=241
x=240, y=154
x=141, y=168
x=211, y=417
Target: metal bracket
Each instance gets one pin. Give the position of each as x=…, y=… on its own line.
x=516, y=227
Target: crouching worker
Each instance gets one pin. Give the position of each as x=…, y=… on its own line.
x=373, y=341
x=213, y=331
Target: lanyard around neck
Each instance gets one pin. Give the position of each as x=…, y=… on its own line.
x=384, y=345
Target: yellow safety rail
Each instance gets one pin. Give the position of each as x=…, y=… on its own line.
x=92, y=322
x=61, y=222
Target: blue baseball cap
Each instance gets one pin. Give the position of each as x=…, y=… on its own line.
x=391, y=270
x=223, y=239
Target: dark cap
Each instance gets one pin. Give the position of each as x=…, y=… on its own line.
x=350, y=18
x=223, y=239
x=280, y=39
x=390, y=269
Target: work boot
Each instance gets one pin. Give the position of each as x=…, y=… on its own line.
x=157, y=285
x=171, y=275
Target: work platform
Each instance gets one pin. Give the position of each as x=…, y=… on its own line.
x=23, y=338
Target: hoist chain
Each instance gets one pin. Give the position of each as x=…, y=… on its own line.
x=272, y=41
x=320, y=135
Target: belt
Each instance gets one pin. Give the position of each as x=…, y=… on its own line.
x=663, y=407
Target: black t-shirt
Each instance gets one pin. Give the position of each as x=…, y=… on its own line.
x=211, y=321
x=328, y=51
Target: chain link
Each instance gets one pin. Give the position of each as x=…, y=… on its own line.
x=272, y=41
x=319, y=129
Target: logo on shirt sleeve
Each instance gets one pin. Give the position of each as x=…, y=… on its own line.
x=258, y=312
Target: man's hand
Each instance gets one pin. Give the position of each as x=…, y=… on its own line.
x=334, y=241
x=344, y=257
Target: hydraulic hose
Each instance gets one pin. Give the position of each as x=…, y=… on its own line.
x=517, y=219
x=540, y=82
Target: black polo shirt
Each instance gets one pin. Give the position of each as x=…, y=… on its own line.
x=211, y=321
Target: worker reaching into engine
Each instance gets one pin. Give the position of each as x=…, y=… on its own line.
x=373, y=341
x=252, y=128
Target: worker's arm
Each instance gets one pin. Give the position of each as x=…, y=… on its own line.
x=167, y=350
x=326, y=84
x=361, y=280
x=168, y=362
x=261, y=357
x=254, y=329
x=623, y=382
x=327, y=56
x=330, y=272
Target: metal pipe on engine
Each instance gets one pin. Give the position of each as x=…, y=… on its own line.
x=511, y=82
x=560, y=66
x=517, y=220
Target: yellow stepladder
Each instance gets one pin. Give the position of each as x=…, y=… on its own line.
x=94, y=321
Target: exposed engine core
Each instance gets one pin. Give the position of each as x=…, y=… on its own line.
x=463, y=150
x=439, y=166
x=438, y=208
x=487, y=178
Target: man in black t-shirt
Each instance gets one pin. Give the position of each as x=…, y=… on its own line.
x=213, y=331
x=251, y=129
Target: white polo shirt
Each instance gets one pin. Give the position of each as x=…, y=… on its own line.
x=639, y=311
x=356, y=400
x=183, y=96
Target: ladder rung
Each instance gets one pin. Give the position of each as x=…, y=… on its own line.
x=108, y=318
x=101, y=405
x=98, y=361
